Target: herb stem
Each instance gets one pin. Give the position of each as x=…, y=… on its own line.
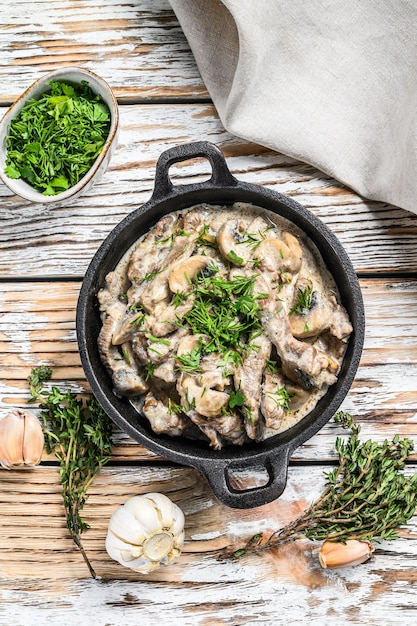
x=367, y=497
x=79, y=435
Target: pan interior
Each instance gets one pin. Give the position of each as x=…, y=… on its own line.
x=127, y=233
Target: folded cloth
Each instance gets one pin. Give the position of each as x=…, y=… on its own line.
x=328, y=82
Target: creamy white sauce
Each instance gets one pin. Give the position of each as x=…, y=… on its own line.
x=312, y=272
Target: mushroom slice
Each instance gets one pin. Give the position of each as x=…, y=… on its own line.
x=279, y=255
x=310, y=313
x=230, y=239
x=185, y=271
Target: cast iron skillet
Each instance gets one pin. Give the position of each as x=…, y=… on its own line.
x=273, y=454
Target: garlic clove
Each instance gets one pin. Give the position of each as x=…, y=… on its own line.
x=124, y=525
x=21, y=439
x=353, y=552
x=145, y=512
x=12, y=429
x=171, y=515
x=33, y=440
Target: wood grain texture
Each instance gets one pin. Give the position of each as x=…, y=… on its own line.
x=137, y=47
x=200, y=588
x=37, y=326
x=49, y=241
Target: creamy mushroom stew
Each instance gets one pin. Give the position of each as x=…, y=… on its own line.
x=222, y=323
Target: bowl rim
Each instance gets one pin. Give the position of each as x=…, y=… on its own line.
x=72, y=75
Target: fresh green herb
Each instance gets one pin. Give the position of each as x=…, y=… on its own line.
x=149, y=369
x=54, y=141
x=190, y=362
x=226, y=311
x=126, y=356
x=367, y=497
x=79, y=435
x=189, y=405
x=232, y=256
x=272, y=366
x=204, y=239
x=281, y=397
x=135, y=308
x=169, y=238
x=165, y=342
x=148, y=276
x=179, y=298
x=173, y=407
x=253, y=240
x=303, y=302
x=237, y=399
x=181, y=233
x=230, y=356
x=138, y=320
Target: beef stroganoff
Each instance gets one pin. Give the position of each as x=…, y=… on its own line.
x=222, y=323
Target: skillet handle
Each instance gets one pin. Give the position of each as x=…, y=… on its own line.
x=220, y=176
x=218, y=474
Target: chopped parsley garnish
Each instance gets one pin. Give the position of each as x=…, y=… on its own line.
x=281, y=397
x=54, y=141
x=149, y=369
x=148, y=276
x=304, y=301
x=237, y=399
x=232, y=256
x=190, y=362
x=138, y=321
x=204, y=238
x=225, y=311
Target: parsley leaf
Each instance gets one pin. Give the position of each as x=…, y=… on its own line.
x=54, y=141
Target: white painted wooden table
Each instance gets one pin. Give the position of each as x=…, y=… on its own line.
x=139, y=48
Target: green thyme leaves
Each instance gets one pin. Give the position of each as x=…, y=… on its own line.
x=367, y=497
x=54, y=141
x=79, y=435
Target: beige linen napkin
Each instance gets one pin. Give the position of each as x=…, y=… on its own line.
x=329, y=82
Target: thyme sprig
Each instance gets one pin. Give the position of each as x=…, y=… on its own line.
x=367, y=497
x=79, y=435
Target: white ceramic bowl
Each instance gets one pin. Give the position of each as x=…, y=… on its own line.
x=73, y=75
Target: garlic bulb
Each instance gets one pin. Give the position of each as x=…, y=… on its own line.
x=21, y=439
x=146, y=532
x=337, y=554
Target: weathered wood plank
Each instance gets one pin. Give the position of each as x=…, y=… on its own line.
x=38, y=240
x=138, y=48
x=37, y=326
x=45, y=574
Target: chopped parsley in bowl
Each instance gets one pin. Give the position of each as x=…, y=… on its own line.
x=58, y=137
